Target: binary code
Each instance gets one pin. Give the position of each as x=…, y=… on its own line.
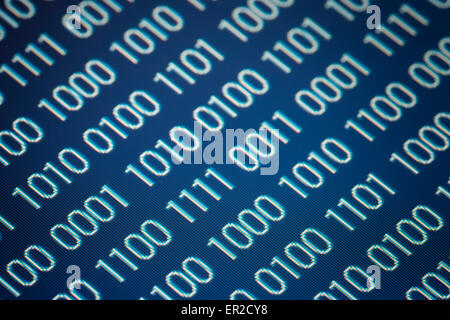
x=224, y=149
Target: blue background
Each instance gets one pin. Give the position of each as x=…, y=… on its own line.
x=190, y=240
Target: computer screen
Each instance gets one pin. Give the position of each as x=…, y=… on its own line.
x=224, y=149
